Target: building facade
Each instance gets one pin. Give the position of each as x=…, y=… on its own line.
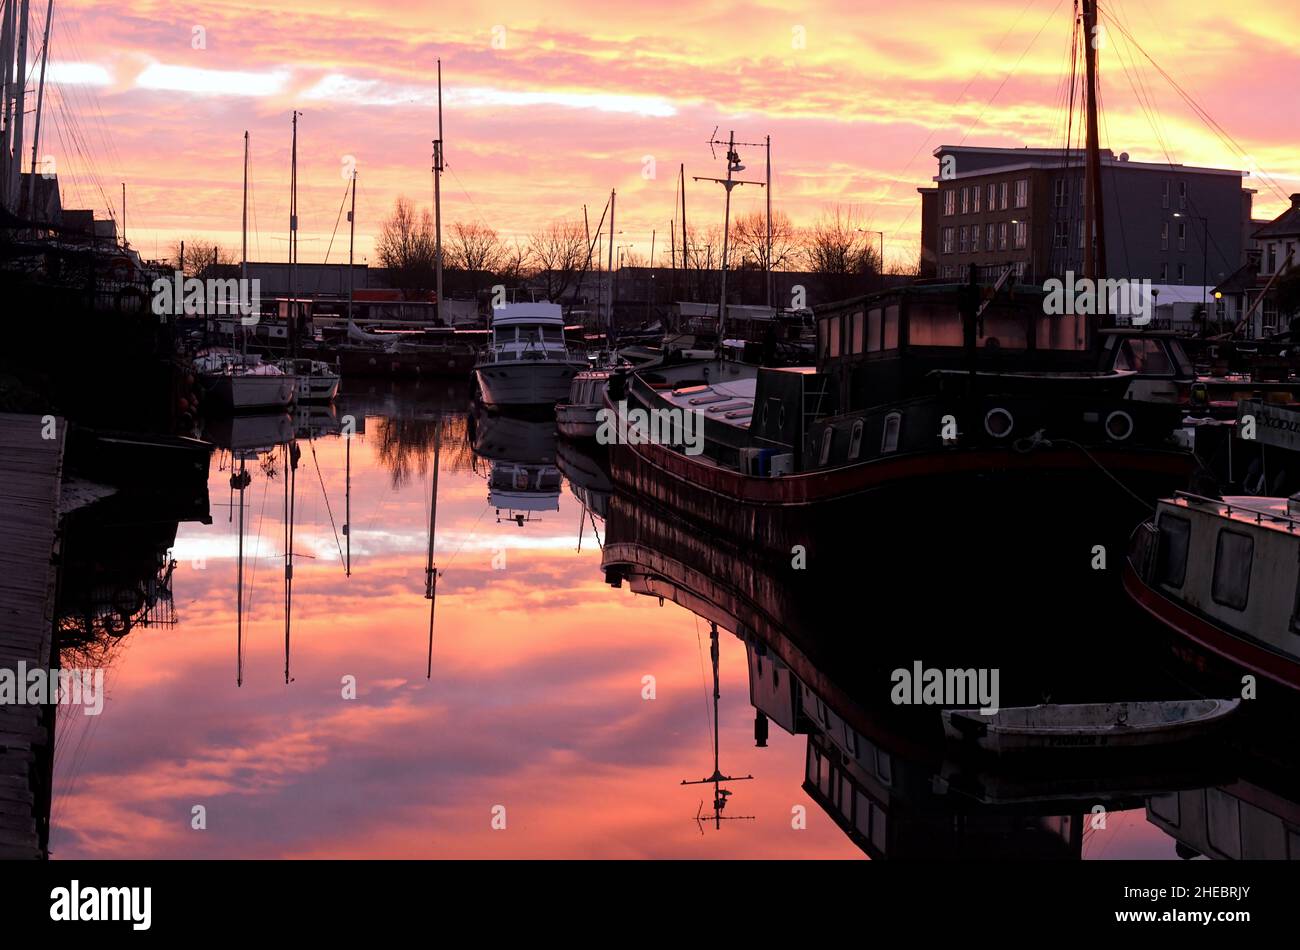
x=1024, y=208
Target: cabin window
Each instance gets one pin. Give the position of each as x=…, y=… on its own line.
x=828, y=436
x=862, y=814
x=873, y=330
x=1233, y=557
x=821, y=335
x=855, y=440
x=1223, y=822
x=891, y=327
x=833, y=339
x=855, y=340
x=1171, y=550
x=1143, y=356
x=889, y=438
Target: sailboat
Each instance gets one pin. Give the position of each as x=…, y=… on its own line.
x=316, y=380
x=234, y=381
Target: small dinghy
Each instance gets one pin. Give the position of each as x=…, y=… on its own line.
x=1087, y=725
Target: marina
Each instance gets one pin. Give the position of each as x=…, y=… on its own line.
x=407, y=504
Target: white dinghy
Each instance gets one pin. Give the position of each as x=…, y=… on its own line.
x=1087, y=725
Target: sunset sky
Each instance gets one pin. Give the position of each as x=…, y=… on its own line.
x=548, y=106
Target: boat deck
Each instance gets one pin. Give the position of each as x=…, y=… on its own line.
x=1266, y=512
x=30, y=471
x=730, y=402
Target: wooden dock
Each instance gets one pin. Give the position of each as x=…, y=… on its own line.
x=31, y=467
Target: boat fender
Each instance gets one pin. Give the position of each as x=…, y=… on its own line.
x=998, y=422
x=1119, y=426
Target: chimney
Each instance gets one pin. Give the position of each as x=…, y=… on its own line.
x=1295, y=201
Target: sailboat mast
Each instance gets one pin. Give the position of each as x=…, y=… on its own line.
x=1094, y=243
x=431, y=568
x=352, y=237
x=768, y=141
x=609, y=315
x=40, y=100
x=293, y=242
x=243, y=254
x=239, y=581
x=437, y=203
x=20, y=92
x=726, y=234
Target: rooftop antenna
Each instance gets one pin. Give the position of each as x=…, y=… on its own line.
x=733, y=165
x=720, y=794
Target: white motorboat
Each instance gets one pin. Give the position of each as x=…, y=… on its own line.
x=317, y=380
x=579, y=417
x=1087, y=725
x=528, y=362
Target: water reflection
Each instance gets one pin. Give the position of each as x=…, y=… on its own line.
x=567, y=674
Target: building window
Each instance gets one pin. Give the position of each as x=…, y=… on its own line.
x=1164, y=193
x=962, y=241
x=1164, y=236
x=975, y=235
x=1081, y=233
x=975, y=194
x=1233, y=557
x=1019, y=268
x=1182, y=196
x=1182, y=235
x=1061, y=234
x=950, y=202
x=988, y=238
x=1022, y=192
x=947, y=239
x=993, y=195
x=1002, y=203
x=1002, y=236
x=1164, y=273
x=1061, y=198
x=965, y=201
x=1021, y=232
x=1182, y=273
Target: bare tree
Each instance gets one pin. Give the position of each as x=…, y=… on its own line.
x=199, y=255
x=406, y=246
x=475, y=249
x=841, y=252
x=558, y=251
x=749, y=237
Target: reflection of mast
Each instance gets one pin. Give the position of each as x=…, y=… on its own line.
x=240, y=481
x=347, y=507
x=431, y=569
x=720, y=794
x=292, y=453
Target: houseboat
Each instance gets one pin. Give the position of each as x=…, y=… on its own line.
x=1219, y=575
x=578, y=418
x=927, y=415
x=528, y=361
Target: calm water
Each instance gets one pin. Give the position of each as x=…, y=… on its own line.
x=536, y=699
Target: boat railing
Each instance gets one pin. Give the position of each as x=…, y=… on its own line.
x=1291, y=521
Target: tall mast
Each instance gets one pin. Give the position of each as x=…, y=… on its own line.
x=6, y=96
x=15, y=158
x=1094, y=257
x=609, y=316
x=242, y=480
x=733, y=164
x=40, y=99
x=293, y=245
x=243, y=253
x=768, y=280
x=686, y=247
x=437, y=202
x=352, y=237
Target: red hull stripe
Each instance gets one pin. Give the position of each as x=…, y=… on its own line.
x=1211, y=637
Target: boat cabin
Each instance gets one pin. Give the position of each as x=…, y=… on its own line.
x=517, y=490
x=1231, y=563
x=528, y=331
